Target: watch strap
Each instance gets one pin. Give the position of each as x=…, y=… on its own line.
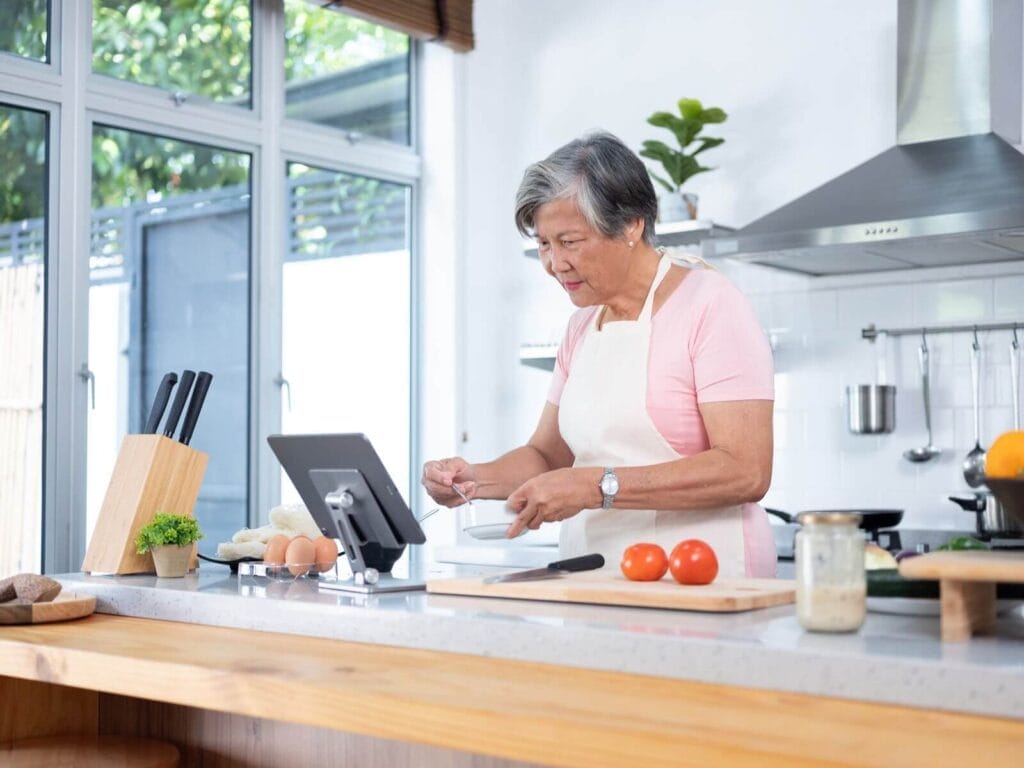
x=607, y=499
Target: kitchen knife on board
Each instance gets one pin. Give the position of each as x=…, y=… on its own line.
x=184, y=386
x=552, y=570
x=195, y=405
x=163, y=394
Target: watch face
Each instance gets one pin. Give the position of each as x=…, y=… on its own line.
x=609, y=485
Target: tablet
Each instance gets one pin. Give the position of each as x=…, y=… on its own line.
x=380, y=521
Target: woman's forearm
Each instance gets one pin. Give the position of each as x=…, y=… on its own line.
x=497, y=479
x=712, y=478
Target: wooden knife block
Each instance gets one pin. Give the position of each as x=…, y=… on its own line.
x=153, y=474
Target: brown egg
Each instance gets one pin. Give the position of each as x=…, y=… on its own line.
x=326, y=553
x=300, y=555
x=275, y=550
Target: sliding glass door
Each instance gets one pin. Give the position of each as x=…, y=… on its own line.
x=346, y=313
x=23, y=221
x=169, y=291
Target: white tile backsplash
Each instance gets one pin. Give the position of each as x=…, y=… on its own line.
x=964, y=301
x=821, y=352
x=878, y=305
x=1009, y=298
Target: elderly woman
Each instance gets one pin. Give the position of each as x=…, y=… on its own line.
x=658, y=425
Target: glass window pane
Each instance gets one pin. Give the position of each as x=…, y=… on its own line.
x=346, y=313
x=169, y=290
x=23, y=212
x=201, y=47
x=24, y=30
x=345, y=72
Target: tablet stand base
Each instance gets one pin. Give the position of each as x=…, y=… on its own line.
x=385, y=583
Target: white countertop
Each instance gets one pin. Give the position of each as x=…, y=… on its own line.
x=892, y=659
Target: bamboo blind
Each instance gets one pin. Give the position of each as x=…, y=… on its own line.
x=21, y=417
x=445, y=21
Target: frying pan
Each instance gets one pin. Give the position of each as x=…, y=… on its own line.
x=870, y=519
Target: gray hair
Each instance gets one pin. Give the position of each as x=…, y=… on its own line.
x=608, y=182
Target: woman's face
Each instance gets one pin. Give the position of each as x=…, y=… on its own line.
x=590, y=267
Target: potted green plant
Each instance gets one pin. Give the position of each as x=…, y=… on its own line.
x=171, y=540
x=680, y=165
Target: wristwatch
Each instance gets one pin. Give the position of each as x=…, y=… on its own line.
x=609, y=487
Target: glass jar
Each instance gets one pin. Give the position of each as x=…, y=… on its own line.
x=830, y=583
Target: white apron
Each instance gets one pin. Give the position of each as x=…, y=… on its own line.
x=603, y=419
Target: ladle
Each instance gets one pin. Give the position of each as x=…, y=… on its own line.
x=1015, y=378
x=974, y=463
x=930, y=451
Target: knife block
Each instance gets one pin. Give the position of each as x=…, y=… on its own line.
x=152, y=474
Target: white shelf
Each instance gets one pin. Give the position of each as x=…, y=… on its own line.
x=669, y=234
x=538, y=355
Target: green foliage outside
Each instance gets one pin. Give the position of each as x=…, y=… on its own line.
x=22, y=164
x=198, y=47
x=686, y=128
x=127, y=166
x=176, y=530
x=23, y=31
x=318, y=41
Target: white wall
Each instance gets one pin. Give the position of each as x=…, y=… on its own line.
x=810, y=88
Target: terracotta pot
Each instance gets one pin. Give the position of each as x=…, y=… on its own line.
x=172, y=561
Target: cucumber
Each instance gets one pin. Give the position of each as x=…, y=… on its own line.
x=888, y=583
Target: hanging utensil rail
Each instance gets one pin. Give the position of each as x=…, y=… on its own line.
x=871, y=333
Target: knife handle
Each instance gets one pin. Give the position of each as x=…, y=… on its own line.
x=163, y=394
x=184, y=386
x=582, y=563
x=195, y=405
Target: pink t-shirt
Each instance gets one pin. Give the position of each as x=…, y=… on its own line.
x=706, y=346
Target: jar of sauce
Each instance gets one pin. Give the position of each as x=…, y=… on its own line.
x=831, y=587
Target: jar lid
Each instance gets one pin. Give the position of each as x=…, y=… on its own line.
x=828, y=518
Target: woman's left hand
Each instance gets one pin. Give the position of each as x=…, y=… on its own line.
x=551, y=497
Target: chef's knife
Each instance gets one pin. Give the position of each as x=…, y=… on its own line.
x=552, y=570
x=184, y=385
x=195, y=405
x=163, y=394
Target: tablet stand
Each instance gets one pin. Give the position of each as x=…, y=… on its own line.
x=347, y=495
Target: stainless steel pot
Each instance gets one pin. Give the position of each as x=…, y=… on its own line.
x=992, y=519
x=871, y=408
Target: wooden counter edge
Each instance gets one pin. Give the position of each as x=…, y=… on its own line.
x=527, y=711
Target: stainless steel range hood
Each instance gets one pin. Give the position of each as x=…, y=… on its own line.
x=951, y=191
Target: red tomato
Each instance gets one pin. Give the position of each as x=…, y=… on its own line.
x=644, y=562
x=693, y=562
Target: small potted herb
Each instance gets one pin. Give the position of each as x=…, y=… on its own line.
x=680, y=165
x=171, y=540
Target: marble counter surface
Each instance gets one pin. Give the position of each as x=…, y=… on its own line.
x=892, y=659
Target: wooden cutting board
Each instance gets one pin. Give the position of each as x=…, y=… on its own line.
x=971, y=565
x=66, y=606
x=967, y=587
x=607, y=588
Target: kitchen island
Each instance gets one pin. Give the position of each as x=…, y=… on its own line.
x=423, y=679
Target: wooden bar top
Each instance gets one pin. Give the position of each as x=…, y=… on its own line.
x=526, y=711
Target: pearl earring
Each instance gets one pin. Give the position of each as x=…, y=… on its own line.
x=630, y=243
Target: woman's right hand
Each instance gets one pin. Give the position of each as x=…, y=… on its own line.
x=439, y=477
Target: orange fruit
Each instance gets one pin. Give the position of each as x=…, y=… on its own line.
x=1005, y=458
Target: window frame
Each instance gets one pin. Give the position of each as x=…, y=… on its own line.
x=75, y=99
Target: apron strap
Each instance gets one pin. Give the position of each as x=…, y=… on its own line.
x=688, y=258
x=664, y=264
